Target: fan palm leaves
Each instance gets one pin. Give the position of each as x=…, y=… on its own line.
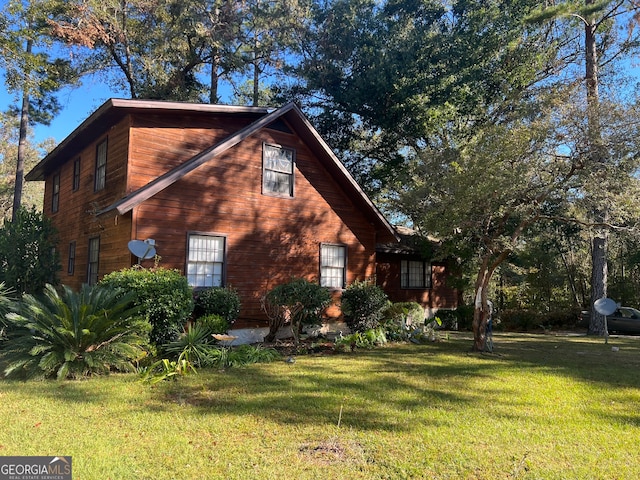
x=70, y=334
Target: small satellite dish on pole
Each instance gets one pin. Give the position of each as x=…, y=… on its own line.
x=143, y=249
x=605, y=306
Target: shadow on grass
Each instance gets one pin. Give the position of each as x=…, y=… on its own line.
x=391, y=388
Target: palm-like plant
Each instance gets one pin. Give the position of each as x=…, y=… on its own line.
x=70, y=334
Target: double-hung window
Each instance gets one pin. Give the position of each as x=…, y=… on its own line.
x=333, y=265
x=101, y=166
x=55, y=196
x=76, y=174
x=71, y=264
x=277, y=170
x=94, y=257
x=205, y=260
x=415, y=274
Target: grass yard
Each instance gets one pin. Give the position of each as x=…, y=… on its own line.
x=540, y=407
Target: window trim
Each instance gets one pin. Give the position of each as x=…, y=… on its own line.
x=93, y=273
x=345, y=250
x=265, y=190
x=427, y=273
x=75, y=181
x=100, y=173
x=223, y=274
x=55, y=193
x=71, y=260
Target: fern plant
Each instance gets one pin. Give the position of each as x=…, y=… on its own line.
x=68, y=334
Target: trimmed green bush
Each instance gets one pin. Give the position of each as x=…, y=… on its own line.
x=65, y=334
x=300, y=301
x=222, y=301
x=363, y=306
x=214, y=323
x=163, y=296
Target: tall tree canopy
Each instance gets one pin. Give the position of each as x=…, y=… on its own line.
x=163, y=49
x=31, y=72
x=461, y=115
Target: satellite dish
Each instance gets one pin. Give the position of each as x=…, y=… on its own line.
x=605, y=306
x=143, y=249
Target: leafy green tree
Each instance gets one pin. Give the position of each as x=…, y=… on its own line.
x=463, y=120
x=270, y=30
x=32, y=192
x=67, y=334
x=28, y=259
x=31, y=72
x=601, y=21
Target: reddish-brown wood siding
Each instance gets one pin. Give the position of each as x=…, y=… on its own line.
x=440, y=295
x=269, y=238
x=75, y=219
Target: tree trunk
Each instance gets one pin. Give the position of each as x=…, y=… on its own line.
x=481, y=311
x=213, y=92
x=598, y=281
x=22, y=144
x=600, y=240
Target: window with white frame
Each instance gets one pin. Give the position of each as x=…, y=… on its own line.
x=101, y=166
x=415, y=274
x=333, y=263
x=277, y=170
x=205, y=260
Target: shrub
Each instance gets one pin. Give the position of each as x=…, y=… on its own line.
x=214, y=324
x=248, y=354
x=27, y=261
x=222, y=301
x=194, y=345
x=367, y=339
x=520, y=319
x=401, y=318
x=464, y=316
x=68, y=335
x=449, y=319
x=300, y=301
x=163, y=296
x=363, y=306
x=6, y=302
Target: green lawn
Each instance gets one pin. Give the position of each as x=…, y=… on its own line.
x=540, y=407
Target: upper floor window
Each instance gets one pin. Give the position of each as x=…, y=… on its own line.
x=277, y=170
x=55, y=196
x=415, y=274
x=205, y=260
x=333, y=265
x=71, y=264
x=101, y=166
x=94, y=257
x=76, y=174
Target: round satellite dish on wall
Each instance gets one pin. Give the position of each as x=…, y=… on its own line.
x=142, y=249
x=605, y=306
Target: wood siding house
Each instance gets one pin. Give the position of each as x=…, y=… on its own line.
x=239, y=196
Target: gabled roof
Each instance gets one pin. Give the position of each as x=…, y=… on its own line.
x=114, y=109
x=411, y=242
x=111, y=112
